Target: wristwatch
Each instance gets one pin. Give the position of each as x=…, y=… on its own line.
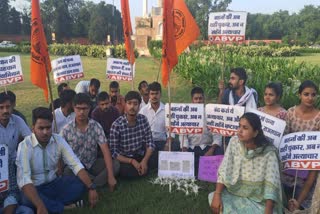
x=93, y=186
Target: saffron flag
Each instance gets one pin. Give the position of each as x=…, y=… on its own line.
x=40, y=60
x=179, y=31
x=169, y=52
x=186, y=27
x=127, y=30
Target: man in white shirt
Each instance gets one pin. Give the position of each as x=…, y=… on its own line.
x=90, y=88
x=37, y=163
x=65, y=113
x=155, y=113
x=144, y=91
x=206, y=144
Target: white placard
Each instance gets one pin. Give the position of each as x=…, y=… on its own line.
x=300, y=150
x=4, y=168
x=176, y=164
x=272, y=127
x=223, y=119
x=10, y=70
x=227, y=27
x=119, y=69
x=67, y=68
x=186, y=118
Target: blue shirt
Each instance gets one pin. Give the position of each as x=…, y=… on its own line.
x=15, y=131
x=130, y=141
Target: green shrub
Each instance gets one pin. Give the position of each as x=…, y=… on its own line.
x=204, y=66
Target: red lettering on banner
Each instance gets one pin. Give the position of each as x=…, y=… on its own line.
x=118, y=77
x=226, y=39
x=296, y=164
x=69, y=77
x=223, y=132
x=11, y=80
x=178, y=130
x=4, y=185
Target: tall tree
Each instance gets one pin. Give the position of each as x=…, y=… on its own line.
x=14, y=21
x=4, y=14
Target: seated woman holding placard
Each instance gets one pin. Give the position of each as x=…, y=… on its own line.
x=249, y=177
x=303, y=117
x=272, y=96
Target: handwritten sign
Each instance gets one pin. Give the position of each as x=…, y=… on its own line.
x=119, y=69
x=223, y=119
x=176, y=164
x=4, y=175
x=227, y=27
x=186, y=118
x=67, y=68
x=208, y=168
x=10, y=70
x=272, y=127
x=300, y=150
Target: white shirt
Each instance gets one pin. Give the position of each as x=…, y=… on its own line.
x=38, y=165
x=82, y=87
x=156, y=121
x=62, y=120
x=142, y=104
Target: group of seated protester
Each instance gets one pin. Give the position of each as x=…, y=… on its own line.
x=89, y=137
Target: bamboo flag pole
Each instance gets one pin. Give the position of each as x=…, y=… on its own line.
x=51, y=100
x=222, y=79
x=295, y=184
x=131, y=65
x=169, y=101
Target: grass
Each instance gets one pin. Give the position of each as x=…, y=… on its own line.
x=30, y=96
x=310, y=58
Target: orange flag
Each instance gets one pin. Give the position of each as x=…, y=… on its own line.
x=169, y=52
x=127, y=30
x=179, y=31
x=186, y=27
x=40, y=60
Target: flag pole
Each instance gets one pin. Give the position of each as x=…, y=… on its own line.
x=169, y=101
x=131, y=65
x=55, y=128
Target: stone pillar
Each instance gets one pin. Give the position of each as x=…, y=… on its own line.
x=145, y=8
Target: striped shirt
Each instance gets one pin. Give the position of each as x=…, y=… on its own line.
x=130, y=141
x=38, y=165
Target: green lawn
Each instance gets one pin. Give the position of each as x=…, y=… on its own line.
x=311, y=58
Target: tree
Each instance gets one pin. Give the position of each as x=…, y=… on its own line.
x=14, y=22
x=104, y=20
x=26, y=21
x=200, y=10
x=4, y=14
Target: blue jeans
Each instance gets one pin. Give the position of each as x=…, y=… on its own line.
x=21, y=210
x=58, y=193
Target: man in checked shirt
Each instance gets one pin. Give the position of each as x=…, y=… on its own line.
x=131, y=140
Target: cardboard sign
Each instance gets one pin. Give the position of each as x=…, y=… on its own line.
x=208, y=168
x=300, y=150
x=186, y=118
x=176, y=164
x=4, y=168
x=10, y=70
x=223, y=119
x=67, y=68
x=272, y=127
x=119, y=69
x=227, y=27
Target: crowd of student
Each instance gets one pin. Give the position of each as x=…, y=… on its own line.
x=87, y=137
